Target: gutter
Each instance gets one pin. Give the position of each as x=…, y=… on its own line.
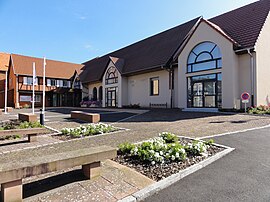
x=252, y=75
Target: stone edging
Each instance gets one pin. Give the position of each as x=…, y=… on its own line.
x=162, y=184
x=61, y=142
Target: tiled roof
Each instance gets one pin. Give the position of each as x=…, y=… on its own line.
x=4, y=61
x=242, y=26
x=23, y=65
x=144, y=55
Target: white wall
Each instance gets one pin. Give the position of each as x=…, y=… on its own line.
x=262, y=62
x=139, y=89
x=229, y=66
x=91, y=87
x=119, y=85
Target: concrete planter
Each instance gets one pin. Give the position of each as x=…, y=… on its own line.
x=23, y=131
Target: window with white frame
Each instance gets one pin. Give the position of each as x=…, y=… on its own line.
x=154, y=86
x=29, y=81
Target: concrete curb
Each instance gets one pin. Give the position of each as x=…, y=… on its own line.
x=152, y=189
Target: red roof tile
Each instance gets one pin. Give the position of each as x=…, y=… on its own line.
x=23, y=65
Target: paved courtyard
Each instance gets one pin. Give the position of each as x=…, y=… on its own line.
x=142, y=124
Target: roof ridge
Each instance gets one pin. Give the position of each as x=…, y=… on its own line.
x=46, y=59
x=233, y=10
x=147, y=38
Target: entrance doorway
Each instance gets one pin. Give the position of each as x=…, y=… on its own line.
x=111, y=97
x=204, y=94
x=204, y=91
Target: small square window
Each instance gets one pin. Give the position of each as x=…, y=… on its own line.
x=154, y=86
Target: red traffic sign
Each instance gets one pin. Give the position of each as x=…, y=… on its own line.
x=245, y=96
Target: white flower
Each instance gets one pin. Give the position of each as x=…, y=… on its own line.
x=153, y=162
x=177, y=155
x=156, y=154
x=173, y=157
x=161, y=152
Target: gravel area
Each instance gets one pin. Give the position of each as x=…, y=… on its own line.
x=160, y=171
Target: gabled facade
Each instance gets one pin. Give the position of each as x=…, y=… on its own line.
x=199, y=64
x=62, y=88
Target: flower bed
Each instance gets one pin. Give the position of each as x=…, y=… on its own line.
x=86, y=130
x=262, y=109
x=165, y=155
x=17, y=124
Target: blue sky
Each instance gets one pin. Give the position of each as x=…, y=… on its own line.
x=78, y=30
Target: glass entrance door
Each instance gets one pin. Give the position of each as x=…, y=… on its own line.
x=204, y=94
x=111, y=97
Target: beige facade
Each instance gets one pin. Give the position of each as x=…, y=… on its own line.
x=139, y=89
x=236, y=73
x=262, y=65
x=229, y=69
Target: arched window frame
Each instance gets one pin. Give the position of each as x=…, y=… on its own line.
x=201, y=64
x=111, y=76
x=94, y=94
x=100, y=95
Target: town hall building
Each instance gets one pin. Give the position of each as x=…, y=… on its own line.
x=201, y=64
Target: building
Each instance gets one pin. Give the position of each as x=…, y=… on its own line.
x=199, y=64
x=4, y=64
x=63, y=87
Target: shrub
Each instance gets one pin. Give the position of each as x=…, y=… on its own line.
x=196, y=148
x=125, y=148
x=90, y=129
x=26, y=124
x=165, y=148
x=169, y=137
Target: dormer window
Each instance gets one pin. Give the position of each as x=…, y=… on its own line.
x=111, y=76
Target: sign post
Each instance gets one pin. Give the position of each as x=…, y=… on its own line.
x=245, y=99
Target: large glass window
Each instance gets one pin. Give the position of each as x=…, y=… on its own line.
x=111, y=76
x=154, y=86
x=205, y=91
x=204, y=56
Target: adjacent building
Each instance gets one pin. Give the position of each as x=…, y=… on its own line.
x=63, y=87
x=203, y=63
x=4, y=64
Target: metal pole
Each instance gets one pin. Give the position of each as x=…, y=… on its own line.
x=6, y=93
x=42, y=114
x=33, y=86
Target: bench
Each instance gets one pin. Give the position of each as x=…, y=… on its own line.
x=88, y=117
x=12, y=173
x=158, y=105
x=27, y=117
x=32, y=133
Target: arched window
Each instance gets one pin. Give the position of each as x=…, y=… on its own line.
x=204, y=56
x=100, y=93
x=111, y=76
x=94, y=94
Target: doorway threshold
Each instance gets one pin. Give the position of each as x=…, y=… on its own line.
x=213, y=110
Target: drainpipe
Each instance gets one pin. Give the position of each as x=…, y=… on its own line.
x=171, y=83
x=251, y=76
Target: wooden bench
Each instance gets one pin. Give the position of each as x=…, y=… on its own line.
x=158, y=105
x=27, y=117
x=12, y=173
x=88, y=117
x=31, y=133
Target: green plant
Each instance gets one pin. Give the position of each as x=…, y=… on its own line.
x=90, y=129
x=197, y=147
x=169, y=137
x=26, y=124
x=209, y=142
x=125, y=148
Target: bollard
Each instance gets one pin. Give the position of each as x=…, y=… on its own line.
x=41, y=120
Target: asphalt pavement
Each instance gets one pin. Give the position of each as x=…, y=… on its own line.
x=242, y=175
